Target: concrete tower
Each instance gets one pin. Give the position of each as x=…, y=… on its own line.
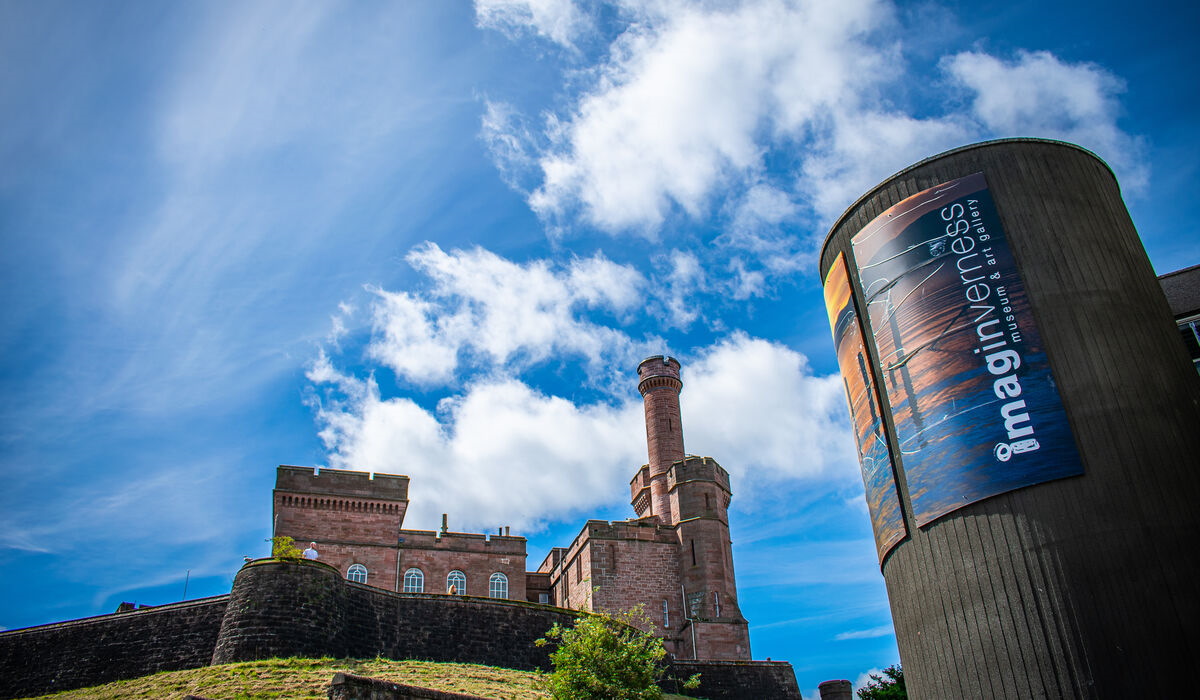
x=1041, y=546
x=691, y=494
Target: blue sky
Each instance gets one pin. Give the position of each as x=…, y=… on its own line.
x=435, y=238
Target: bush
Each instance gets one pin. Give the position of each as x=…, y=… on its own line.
x=284, y=547
x=606, y=658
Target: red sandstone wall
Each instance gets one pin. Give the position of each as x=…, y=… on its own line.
x=353, y=518
x=475, y=555
x=612, y=567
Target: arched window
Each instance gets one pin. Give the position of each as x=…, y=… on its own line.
x=357, y=573
x=414, y=581
x=498, y=585
x=457, y=581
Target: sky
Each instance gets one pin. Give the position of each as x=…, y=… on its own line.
x=435, y=238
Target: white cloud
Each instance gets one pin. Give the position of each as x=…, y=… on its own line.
x=560, y=21
x=689, y=99
x=501, y=313
x=1038, y=94
x=501, y=453
x=861, y=148
x=758, y=409
x=695, y=102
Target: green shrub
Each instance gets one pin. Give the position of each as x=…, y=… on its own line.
x=284, y=547
x=606, y=658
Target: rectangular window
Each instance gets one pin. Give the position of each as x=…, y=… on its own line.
x=666, y=616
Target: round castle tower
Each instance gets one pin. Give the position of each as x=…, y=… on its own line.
x=690, y=495
x=659, y=385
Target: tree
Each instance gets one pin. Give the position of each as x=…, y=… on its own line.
x=603, y=657
x=890, y=688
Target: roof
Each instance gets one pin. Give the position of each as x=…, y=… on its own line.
x=1182, y=288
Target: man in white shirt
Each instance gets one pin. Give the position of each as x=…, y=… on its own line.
x=311, y=552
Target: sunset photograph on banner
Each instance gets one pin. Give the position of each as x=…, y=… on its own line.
x=975, y=406
x=874, y=456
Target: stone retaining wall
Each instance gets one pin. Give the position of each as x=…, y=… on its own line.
x=95, y=650
x=306, y=609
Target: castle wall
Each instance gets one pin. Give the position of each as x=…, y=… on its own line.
x=638, y=563
x=477, y=556
x=101, y=649
x=285, y=609
x=612, y=567
x=354, y=517
x=307, y=609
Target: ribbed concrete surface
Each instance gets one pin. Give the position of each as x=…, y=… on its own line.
x=1085, y=586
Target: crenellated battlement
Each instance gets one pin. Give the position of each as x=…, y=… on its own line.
x=342, y=483
x=697, y=469
x=462, y=542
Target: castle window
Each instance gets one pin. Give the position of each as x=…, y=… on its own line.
x=457, y=581
x=414, y=581
x=498, y=585
x=357, y=573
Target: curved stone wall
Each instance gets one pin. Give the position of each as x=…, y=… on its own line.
x=306, y=609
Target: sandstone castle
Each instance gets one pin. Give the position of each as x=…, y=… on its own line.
x=674, y=558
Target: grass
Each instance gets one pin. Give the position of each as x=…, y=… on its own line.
x=309, y=678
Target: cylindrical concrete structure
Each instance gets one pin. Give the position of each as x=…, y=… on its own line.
x=836, y=690
x=659, y=385
x=1082, y=584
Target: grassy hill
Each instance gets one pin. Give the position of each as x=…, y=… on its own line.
x=309, y=678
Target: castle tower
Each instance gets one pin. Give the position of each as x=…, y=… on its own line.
x=692, y=494
x=659, y=385
x=353, y=517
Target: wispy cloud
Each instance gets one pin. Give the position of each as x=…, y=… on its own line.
x=880, y=631
x=560, y=21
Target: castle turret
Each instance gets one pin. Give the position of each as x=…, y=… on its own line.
x=659, y=385
x=691, y=495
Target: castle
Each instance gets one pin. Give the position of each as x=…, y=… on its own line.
x=674, y=558
x=380, y=590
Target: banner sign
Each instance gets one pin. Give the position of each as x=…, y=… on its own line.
x=874, y=457
x=967, y=380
